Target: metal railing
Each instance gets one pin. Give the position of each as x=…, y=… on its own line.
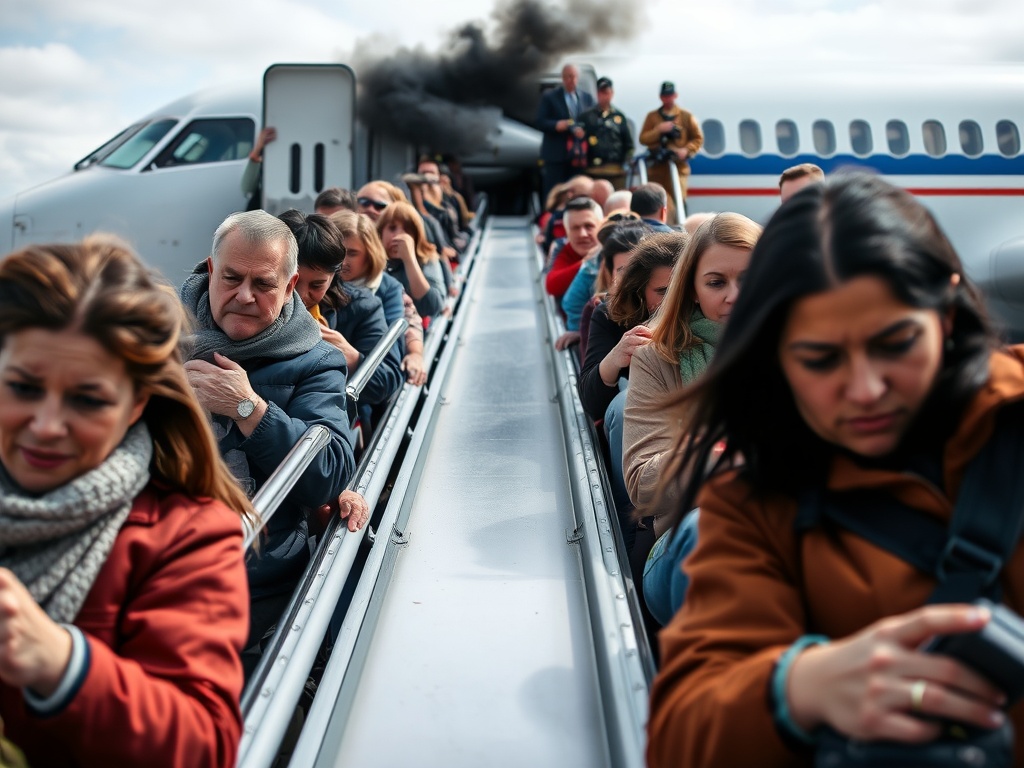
x=283, y=479
x=638, y=168
x=276, y=684
x=625, y=660
x=358, y=381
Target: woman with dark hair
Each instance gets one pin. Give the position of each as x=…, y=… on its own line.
x=351, y=318
x=122, y=579
x=412, y=260
x=616, y=331
x=857, y=356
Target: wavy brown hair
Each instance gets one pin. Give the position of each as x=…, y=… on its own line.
x=100, y=288
x=628, y=307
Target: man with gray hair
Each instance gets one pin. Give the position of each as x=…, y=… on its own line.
x=258, y=365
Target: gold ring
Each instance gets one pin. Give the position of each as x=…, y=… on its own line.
x=917, y=695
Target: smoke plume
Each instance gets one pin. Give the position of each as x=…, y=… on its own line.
x=451, y=100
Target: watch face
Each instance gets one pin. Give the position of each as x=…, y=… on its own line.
x=245, y=408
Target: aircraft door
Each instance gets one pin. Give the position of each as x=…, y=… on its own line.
x=312, y=107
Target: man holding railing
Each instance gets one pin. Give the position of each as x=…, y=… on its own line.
x=259, y=366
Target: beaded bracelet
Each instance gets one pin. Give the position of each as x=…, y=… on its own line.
x=783, y=720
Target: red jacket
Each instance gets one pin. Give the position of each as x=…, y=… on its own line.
x=563, y=270
x=165, y=622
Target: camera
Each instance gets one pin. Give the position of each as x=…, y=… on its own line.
x=996, y=651
x=675, y=133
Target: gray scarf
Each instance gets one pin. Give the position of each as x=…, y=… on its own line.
x=56, y=543
x=292, y=333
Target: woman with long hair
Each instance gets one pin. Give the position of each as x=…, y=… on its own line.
x=684, y=333
x=412, y=260
x=857, y=370
x=364, y=266
x=123, y=584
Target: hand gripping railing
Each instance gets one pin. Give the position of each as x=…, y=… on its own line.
x=357, y=383
x=283, y=479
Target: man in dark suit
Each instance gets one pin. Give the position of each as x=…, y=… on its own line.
x=557, y=117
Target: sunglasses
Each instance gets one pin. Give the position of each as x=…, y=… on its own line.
x=366, y=202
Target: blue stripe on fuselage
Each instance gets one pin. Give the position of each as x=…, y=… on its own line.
x=909, y=165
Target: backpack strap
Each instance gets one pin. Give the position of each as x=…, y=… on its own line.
x=966, y=555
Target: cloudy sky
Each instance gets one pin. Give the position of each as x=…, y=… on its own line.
x=73, y=73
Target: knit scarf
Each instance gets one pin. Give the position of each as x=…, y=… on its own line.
x=695, y=359
x=56, y=543
x=292, y=333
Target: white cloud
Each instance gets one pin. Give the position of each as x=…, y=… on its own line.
x=73, y=73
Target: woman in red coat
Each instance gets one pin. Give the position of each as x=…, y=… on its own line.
x=123, y=597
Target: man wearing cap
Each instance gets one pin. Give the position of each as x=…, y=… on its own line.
x=558, y=117
x=673, y=136
x=609, y=140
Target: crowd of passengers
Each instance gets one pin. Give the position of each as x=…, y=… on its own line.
x=137, y=421
x=814, y=439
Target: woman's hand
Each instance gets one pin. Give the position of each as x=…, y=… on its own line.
x=622, y=353
x=402, y=247
x=567, y=339
x=876, y=684
x=34, y=649
x=336, y=339
x=415, y=373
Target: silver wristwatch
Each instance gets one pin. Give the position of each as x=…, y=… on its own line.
x=245, y=408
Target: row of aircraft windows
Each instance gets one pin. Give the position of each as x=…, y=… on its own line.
x=897, y=136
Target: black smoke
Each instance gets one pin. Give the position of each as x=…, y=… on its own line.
x=451, y=100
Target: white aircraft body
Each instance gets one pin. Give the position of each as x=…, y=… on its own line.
x=952, y=136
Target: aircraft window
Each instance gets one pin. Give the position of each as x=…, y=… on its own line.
x=898, y=136
x=934, y=138
x=787, y=137
x=1008, y=137
x=970, y=138
x=105, y=149
x=860, y=138
x=750, y=137
x=824, y=137
x=211, y=140
x=714, y=137
x=138, y=146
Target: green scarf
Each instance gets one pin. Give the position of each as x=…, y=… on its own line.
x=695, y=359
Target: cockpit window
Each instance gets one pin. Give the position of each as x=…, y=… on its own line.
x=107, y=147
x=139, y=145
x=714, y=137
x=824, y=137
x=898, y=136
x=211, y=140
x=750, y=137
x=1008, y=137
x=860, y=138
x=934, y=136
x=787, y=137
x=971, y=141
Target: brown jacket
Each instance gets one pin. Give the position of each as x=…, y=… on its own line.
x=754, y=589
x=646, y=434
x=690, y=135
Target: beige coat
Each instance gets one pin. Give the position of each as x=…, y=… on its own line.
x=646, y=434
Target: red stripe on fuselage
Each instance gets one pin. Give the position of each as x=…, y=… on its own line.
x=938, y=191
